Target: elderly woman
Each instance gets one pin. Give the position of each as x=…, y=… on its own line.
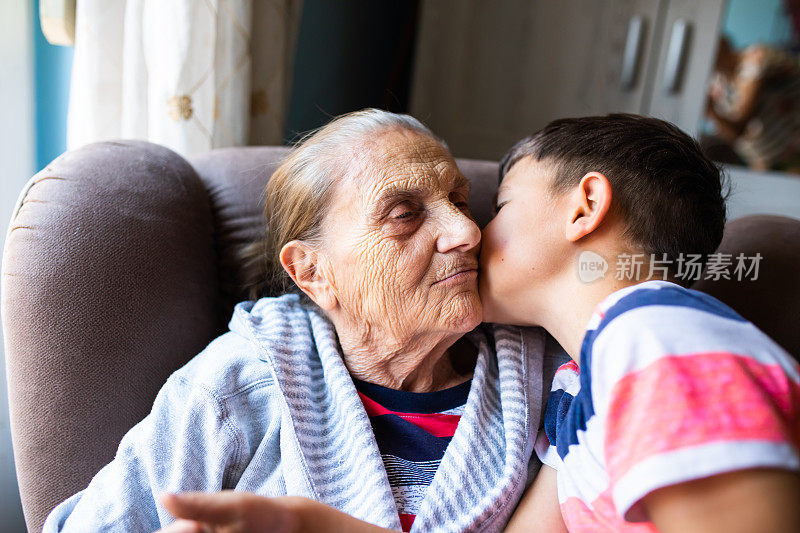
x=372, y=389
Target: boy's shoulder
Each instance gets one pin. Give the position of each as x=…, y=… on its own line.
x=664, y=310
x=678, y=301
x=653, y=321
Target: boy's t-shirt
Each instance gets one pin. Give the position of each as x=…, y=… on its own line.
x=672, y=386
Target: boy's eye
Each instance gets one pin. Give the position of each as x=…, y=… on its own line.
x=499, y=206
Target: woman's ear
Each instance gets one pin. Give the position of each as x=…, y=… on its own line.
x=302, y=263
x=588, y=205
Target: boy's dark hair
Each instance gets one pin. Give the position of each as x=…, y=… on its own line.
x=667, y=191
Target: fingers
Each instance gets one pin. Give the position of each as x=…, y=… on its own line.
x=235, y=511
x=184, y=526
x=215, y=508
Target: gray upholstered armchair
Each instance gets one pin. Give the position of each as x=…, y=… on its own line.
x=120, y=265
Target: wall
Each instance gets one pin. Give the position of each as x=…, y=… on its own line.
x=757, y=21
x=33, y=129
x=52, y=67
x=755, y=193
x=17, y=154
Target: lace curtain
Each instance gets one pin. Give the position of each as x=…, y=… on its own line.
x=189, y=74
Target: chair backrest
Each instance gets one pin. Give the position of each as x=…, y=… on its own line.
x=770, y=297
x=110, y=282
x=120, y=266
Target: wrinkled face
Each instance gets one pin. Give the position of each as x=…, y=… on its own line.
x=401, y=247
x=524, y=247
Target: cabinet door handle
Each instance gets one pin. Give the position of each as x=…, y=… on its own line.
x=630, y=56
x=676, y=55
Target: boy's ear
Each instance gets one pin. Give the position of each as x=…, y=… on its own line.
x=303, y=264
x=588, y=205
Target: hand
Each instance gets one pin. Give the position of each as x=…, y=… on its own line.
x=232, y=512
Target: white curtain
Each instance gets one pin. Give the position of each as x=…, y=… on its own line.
x=189, y=74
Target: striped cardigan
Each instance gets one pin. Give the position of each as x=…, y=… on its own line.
x=269, y=407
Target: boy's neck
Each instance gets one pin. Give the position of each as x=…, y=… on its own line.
x=570, y=307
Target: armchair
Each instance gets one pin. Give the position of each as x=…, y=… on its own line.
x=120, y=266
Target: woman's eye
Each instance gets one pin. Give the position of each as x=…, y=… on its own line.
x=404, y=213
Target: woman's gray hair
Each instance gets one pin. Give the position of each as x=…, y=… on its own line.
x=299, y=192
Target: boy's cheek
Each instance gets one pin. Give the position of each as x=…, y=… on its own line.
x=489, y=256
x=498, y=285
x=493, y=276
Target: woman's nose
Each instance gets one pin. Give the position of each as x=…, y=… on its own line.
x=458, y=232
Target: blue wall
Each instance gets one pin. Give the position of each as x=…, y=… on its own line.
x=52, y=66
x=757, y=21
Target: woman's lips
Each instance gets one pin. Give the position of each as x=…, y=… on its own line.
x=461, y=276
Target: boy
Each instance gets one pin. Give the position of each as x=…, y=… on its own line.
x=679, y=415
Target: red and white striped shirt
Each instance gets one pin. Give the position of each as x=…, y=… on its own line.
x=672, y=386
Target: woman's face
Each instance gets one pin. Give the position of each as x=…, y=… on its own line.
x=401, y=246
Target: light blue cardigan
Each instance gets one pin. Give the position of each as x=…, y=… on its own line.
x=270, y=408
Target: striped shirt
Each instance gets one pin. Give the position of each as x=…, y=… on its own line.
x=672, y=386
x=412, y=431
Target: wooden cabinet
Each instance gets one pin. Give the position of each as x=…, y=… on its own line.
x=488, y=73
x=686, y=103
